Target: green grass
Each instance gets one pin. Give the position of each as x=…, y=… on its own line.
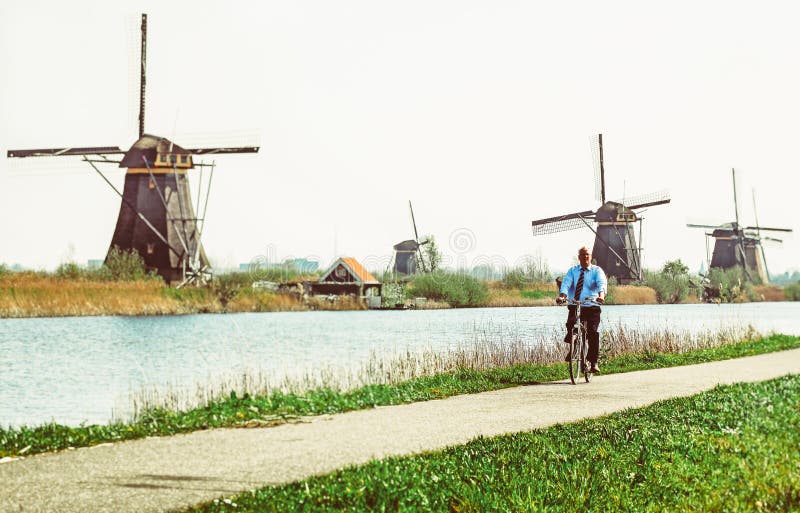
x=732, y=449
x=279, y=407
x=538, y=294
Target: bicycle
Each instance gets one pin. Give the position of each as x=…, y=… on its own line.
x=578, y=345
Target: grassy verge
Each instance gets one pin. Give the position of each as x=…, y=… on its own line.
x=278, y=407
x=734, y=448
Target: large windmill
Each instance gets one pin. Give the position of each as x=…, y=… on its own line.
x=740, y=246
x=156, y=218
x=408, y=253
x=615, y=248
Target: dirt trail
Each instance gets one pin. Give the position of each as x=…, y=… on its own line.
x=162, y=474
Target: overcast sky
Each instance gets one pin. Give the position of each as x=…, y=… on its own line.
x=480, y=113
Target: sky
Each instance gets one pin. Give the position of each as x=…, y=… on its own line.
x=480, y=113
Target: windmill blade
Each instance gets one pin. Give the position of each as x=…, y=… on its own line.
x=561, y=223
x=762, y=228
x=210, y=151
x=646, y=200
x=710, y=227
x=772, y=239
x=596, y=146
x=413, y=222
x=63, y=152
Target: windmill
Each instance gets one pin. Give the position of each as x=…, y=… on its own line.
x=615, y=248
x=740, y=246
x=156, y=218
x=409, y=252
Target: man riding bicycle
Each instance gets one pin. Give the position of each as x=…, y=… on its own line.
x=586, y=283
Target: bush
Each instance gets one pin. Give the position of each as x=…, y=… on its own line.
x=125, y=265
x=515, y=279
x=672, y=283
x=730, y=286
x=792, y=292
x=457, y=289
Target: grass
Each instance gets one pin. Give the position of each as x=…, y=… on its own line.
x=408, y=378
x=732, y=449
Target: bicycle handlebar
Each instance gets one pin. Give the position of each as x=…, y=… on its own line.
x=570, y=301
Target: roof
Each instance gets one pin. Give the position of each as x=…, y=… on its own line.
x=406, y=245
x=356, y=270
x=147, y=146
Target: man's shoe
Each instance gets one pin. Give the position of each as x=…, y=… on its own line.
x=595, y=369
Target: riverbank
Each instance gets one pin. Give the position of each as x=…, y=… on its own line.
x=29, y=294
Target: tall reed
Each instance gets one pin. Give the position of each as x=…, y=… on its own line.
x=485, y=352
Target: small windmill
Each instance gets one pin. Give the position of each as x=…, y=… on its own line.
x=408, y=253
x=156, y=218
x=740, y=246
x=615, y=248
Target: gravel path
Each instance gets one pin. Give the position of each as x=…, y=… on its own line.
x=162, y=474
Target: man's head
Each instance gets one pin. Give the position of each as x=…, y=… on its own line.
x=584, y=257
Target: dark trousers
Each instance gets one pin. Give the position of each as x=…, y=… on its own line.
x=591, y=321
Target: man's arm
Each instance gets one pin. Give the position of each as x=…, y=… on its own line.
x=602, y=285
x=566, y=283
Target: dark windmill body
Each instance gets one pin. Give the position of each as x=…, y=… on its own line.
x=408, y=257
x=737, y=246
x=615, y=246
x=157, y=218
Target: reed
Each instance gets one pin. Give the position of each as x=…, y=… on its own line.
x=770, y=292
x=36, y=295
x=484, y=353
x=632, y=295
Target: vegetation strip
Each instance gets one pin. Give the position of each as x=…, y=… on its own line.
x=278, y=407
x=734, y=448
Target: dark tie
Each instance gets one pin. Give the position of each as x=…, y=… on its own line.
x=579, y=286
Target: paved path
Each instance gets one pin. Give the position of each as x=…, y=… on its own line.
x=161, y=474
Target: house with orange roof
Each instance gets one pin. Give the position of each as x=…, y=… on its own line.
x=347, y=276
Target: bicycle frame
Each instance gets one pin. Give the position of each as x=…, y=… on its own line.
x=579, y=346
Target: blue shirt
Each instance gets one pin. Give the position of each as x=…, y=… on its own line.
x=594, y=281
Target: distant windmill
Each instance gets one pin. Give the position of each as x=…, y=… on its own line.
x=156, y=217
x=615, y=248
x=408, y=253
x=740, y=246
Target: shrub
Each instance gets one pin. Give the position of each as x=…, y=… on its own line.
x=515, y=279
x=457, y=289
x=730, y=285
x=125, y=265
x=672, y=284
x=792, y=292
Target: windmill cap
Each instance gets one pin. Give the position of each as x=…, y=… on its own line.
x=149, y=146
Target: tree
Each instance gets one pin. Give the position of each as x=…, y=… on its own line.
x=431, y=254
x=675, y=268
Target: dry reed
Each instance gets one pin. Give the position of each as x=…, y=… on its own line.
x=33, y=295
x=770, y=292
x=633, y=295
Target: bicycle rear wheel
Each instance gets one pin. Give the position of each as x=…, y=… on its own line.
x=584, y=366
x=575, y=357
